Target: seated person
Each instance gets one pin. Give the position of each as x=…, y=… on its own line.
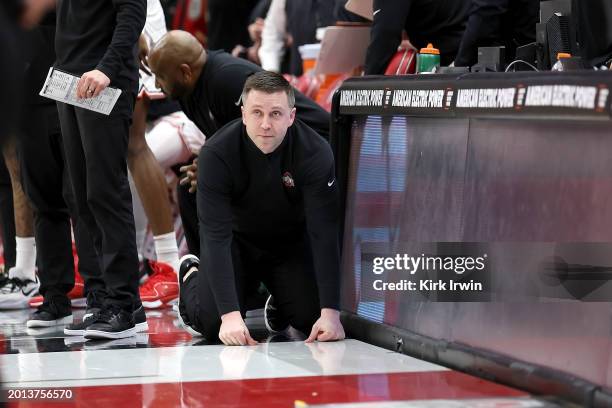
x=268, y=212
x=440, y=22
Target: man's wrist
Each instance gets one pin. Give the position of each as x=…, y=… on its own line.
x=105, y=71
x=231, y=315
x=327, y=312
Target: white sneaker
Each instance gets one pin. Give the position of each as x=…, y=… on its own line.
x=16, y=293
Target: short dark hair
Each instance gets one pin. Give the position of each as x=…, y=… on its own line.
x=268, y=82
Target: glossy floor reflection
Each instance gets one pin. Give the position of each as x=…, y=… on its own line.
x=167, y=367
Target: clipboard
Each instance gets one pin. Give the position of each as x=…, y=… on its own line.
x=61, y=86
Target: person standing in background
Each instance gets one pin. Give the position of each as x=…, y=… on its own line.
x=440, y=22
x=97, y=40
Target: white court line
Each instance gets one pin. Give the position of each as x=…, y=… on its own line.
x=202, y=363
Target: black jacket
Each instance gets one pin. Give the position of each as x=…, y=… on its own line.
x=215, y=100
x=103, y=35
x=594, y=20
x=509, y=23
x=440, y=22
x=270, y=201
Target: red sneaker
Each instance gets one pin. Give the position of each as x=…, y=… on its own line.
x=161, y=289
x=76, y=295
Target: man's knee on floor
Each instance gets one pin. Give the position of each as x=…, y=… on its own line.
x=204, y=322
x=208, y=327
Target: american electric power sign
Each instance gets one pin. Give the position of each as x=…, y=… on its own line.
x=551, y=98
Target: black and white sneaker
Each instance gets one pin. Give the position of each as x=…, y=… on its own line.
x=79, y=328
x=94, y=306
x=272, y=319
x=48, y=315
x=16, y=293
x=140, y=319
x=189, y=265
x=90, y=311
x=111, y=323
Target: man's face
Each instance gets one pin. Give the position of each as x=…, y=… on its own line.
x=267, y=118
x=170, y=78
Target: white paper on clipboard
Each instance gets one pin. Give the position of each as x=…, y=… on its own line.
x=362, y=8
x=61, y=86
x=343, y=49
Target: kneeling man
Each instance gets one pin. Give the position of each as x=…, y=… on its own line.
x=268, y=212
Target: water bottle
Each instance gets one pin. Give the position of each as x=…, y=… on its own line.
x=428, y=59
x=558, y=65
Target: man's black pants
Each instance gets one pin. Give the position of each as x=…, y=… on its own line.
x=46, y=184
x=188, y=208
x=7, y=216
x=287, y=272
x=95, y=147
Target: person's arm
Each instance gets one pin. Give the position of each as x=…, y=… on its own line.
x=260, y=10
x=484, y=28
x=321, y=205
x=215, y=219
x=155, y=24
x=131, y=15
x=273, y=37
x=386, y=33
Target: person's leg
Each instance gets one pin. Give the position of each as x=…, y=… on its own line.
x=173, y=139
x=7, y=217
x=152, y=188
x=88, y=264
x=292, y=283
x=106, y=206
x=189, y=216
x=141, y=222
x=42, y=174
x=165, y=139
x=95, y=149
x=25, y=261
x=197, y=303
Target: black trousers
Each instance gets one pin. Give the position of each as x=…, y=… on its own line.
x=287, y=272
x=7, y=216
x=188, y=209
x=46, y=184
x=95, y=148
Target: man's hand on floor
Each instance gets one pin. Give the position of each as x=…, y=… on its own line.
x=327, y=328
x=234, y=331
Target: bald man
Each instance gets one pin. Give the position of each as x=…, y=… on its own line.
x=208, y=86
